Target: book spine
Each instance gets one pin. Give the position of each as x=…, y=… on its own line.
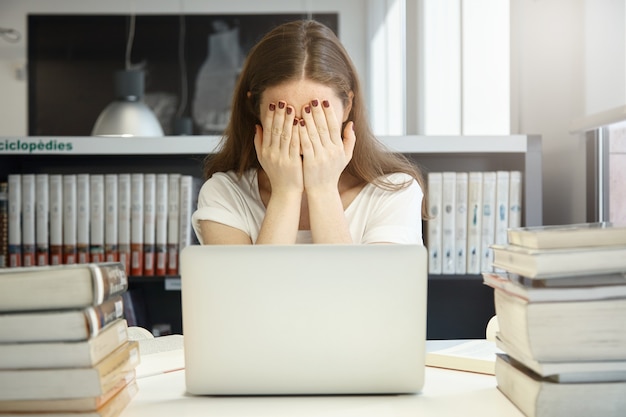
x=42, y=219
x=488, y=221
x=4, y=224
x=173, y=219
x=434, y=225
x=474, y=221
x=56, y=219
x=123, y=226
x=460, y=223
x=28, y=220
x=136, y=224
x=161, y=224
x=189, y=189
x=515, y=199
x=149, y=223
x=15, y=220
x=109, y=279
x=70, y=218
x=110, y=218
x=100, y=316
x=448, y=216
x=501, y=216
x=96, y=218
x=82, y=218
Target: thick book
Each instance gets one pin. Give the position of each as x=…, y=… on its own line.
x=60, y=286
x=34, y=384
x=472, y=356
x=554, y=331
x=542, y=397
x=52, y=355
x=60, y=325
x=435, y=222
x=110, y=404
x=568, y=236
x=42, y=219
x=576, y=288
x=555, y=263
x=572, y=371
x=28, y=220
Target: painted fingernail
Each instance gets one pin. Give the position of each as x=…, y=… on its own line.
x=272, y=106
x=314, y=103
x=301, y=122
x=295, y=122
x=289, y=110
x=281, y=104
x=325, y=103
x=307, y=109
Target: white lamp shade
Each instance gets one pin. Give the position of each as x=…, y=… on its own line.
x=127, y=118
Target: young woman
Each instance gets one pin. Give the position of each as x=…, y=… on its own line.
x=298, y=161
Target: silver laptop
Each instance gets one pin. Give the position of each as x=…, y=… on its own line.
x=304, y=319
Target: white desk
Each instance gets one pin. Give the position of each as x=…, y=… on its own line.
x=446, y=393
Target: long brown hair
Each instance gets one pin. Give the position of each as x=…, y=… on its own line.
x=304, y=49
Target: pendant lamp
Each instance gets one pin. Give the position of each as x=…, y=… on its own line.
x=128, y=115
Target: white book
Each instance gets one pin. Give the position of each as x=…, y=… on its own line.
x=28, y=219
x=173, y=219
x=96, y=218
x=69, y=218
x=488, y=235
x=189, y=188
x=82, y=218
x=124, y=202
x=434, y=224
x=15, y=220
x=460, y=223
x=474, y=221
x=42, y=219
x=160, y=249
x=502, y=207
x=136, y=224
x=110, y=218
x=149, y=223
x=515, y=199
x=448, y=217
x=56, y=218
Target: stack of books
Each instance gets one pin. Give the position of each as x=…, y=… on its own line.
x=64, y=346
x=560, y=299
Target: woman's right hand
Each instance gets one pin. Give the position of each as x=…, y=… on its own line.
x=277, y=145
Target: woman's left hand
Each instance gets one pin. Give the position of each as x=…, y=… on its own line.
x=325, y=152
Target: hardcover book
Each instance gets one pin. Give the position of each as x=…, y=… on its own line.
x=568, y=236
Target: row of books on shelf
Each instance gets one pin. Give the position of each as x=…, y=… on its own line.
x=560, y=302
x=64, y=345
x=141, y=219
x=470, y=211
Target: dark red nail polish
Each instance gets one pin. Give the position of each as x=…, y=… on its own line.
x=281, y=104
x=326, y=103
x=295, y=122
x=301, y=122
x=272, y=106
x=314, y=103
x=289, y=110
x=307, y=109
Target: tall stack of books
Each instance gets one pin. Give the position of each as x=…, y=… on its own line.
x=64, y=347
x=560, y=299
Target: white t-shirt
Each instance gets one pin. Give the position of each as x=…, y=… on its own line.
x=375, y=215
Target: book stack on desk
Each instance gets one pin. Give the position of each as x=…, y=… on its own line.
x=64, y=347
x=560, y=299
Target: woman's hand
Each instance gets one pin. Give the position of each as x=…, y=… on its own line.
x=277, y=145
x=325, y=153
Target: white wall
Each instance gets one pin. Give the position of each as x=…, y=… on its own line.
x=553, y=52
x=13, y=90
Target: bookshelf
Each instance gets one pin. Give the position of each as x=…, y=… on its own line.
x=459, y=305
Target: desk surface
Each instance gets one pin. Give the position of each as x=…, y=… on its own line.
x=445, y=393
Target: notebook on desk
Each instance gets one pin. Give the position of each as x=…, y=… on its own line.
x=304, y=319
